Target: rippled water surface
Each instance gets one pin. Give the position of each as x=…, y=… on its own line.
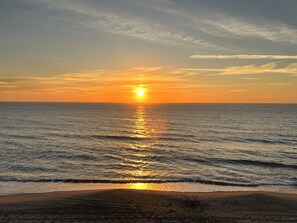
x=233, y=144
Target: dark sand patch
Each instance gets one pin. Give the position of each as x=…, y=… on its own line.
x=149, y=206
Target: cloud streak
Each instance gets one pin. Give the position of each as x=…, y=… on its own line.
x=269, y=68
x=104, y=19
x=98, y=81
x=170, y=25
x=245, y=56
x=225, y=25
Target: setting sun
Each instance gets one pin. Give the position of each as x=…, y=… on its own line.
x=140, y=92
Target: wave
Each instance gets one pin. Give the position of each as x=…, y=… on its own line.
x=173, y=137
x=103, y=137
x=213, y=161
x=22, y=136
x=264, y=163
x=251, y=140
x=119, y=137
x=138, y=138
x=266, y=141
x=31, y=169
x=107, y=181
x=257, y=163
x=219, y=139
x=67, y=135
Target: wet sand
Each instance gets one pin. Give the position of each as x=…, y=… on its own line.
x=149, y=206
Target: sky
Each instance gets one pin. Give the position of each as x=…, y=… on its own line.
x=214, y=51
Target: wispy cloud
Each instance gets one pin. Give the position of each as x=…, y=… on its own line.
x=100, y=81
x=280, y=84
x=168, y=23
x=225, y=25
x=246, y=56
x=103, y=19
x=269, y=68
x=262, y=69
x=236, y=90
x=251, y=69
x=148, y=69
x=252, y=78
x=219, y=24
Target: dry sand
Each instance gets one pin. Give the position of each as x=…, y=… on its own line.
x=149, y=206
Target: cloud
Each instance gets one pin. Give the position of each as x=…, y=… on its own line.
x=56, y=83
x=225, y=25
x=246, y=56
x=219, y=24
x=125, y=24
x=100, y=81
x=269, y=68
x=148, y=69
x=280, y=84
x=262, y=69
x=168, y=23
x=252, y=78
x=236, y=90
x=249, y=69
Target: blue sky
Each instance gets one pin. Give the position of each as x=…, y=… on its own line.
x=48, y=39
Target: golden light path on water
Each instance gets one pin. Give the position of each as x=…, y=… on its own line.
x=140, y=130
x=142, y=149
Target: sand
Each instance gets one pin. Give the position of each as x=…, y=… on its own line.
x=149, y=206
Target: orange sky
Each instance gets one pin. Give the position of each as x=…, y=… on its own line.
x=195, y=51
x=161, y=85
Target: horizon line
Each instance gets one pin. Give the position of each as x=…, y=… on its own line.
x=148, y=103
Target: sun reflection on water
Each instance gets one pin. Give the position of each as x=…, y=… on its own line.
x=139, y=154
x=141, y=148
x=140, y=127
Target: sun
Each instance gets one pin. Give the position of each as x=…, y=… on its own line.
x=140, y=92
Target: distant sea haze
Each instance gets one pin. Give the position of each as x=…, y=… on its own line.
x=220, y=144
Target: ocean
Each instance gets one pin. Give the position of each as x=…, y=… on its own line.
x=236, y=145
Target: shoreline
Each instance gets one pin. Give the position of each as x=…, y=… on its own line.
x=14, y=188
x=128, y=205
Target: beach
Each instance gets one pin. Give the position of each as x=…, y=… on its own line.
x=124, y=205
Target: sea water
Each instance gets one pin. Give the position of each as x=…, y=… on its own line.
x=236, y=145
